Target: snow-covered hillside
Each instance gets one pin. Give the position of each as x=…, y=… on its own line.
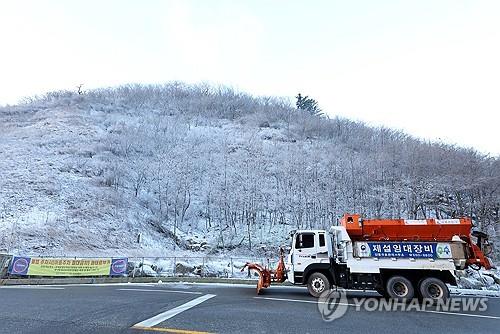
x=161, y=169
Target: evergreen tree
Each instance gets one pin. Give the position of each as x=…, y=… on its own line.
x=307, y=104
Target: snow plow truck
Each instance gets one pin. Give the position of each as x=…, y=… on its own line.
x=399, y=258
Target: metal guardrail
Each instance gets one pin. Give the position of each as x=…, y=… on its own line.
x=4, y=264
x=219, y=267
x=173, y=266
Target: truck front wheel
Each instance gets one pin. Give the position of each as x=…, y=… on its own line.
x=317, y=284
x=433, y=288
x=399, y=287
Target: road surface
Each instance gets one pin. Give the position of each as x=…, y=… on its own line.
x=210, y=308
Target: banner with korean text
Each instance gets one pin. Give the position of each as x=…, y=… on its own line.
x=429, y=250
x=65, y=267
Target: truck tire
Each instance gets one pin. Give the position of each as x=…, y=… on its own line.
x=317, y=284
x=433, y=288
x=400, y=288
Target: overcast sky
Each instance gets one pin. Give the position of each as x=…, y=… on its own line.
x=431, y=68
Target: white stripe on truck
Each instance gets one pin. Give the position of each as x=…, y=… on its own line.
x=448, y=221
x=415, y=222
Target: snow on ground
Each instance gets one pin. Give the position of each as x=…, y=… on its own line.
x=58, y=194
x=479, y=279
x=475, y=292
x=68, y=169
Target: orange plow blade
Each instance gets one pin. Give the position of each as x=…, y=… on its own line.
x=266, y=276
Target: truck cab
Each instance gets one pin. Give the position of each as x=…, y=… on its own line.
x=310, y=250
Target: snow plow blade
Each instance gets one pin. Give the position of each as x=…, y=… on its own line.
x=266, y=275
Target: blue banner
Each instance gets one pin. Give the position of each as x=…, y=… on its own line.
x=118, y=267
x=404, y=249
x=19, y=265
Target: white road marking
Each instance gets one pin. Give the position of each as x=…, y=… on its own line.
x=163, y=290
x=104, y=284
x=462, y=314
x=173, y=312
x=88, y=285
x=32, y=287
x=250, y=285
x=299, y=300
x=348, y=304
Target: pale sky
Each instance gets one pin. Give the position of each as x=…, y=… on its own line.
x=428, y=67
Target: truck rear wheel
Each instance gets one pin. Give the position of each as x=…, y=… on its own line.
x=317, y=284
x=399, y=287
x=434, y=288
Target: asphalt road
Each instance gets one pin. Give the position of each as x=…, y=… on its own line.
x=191, y=308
